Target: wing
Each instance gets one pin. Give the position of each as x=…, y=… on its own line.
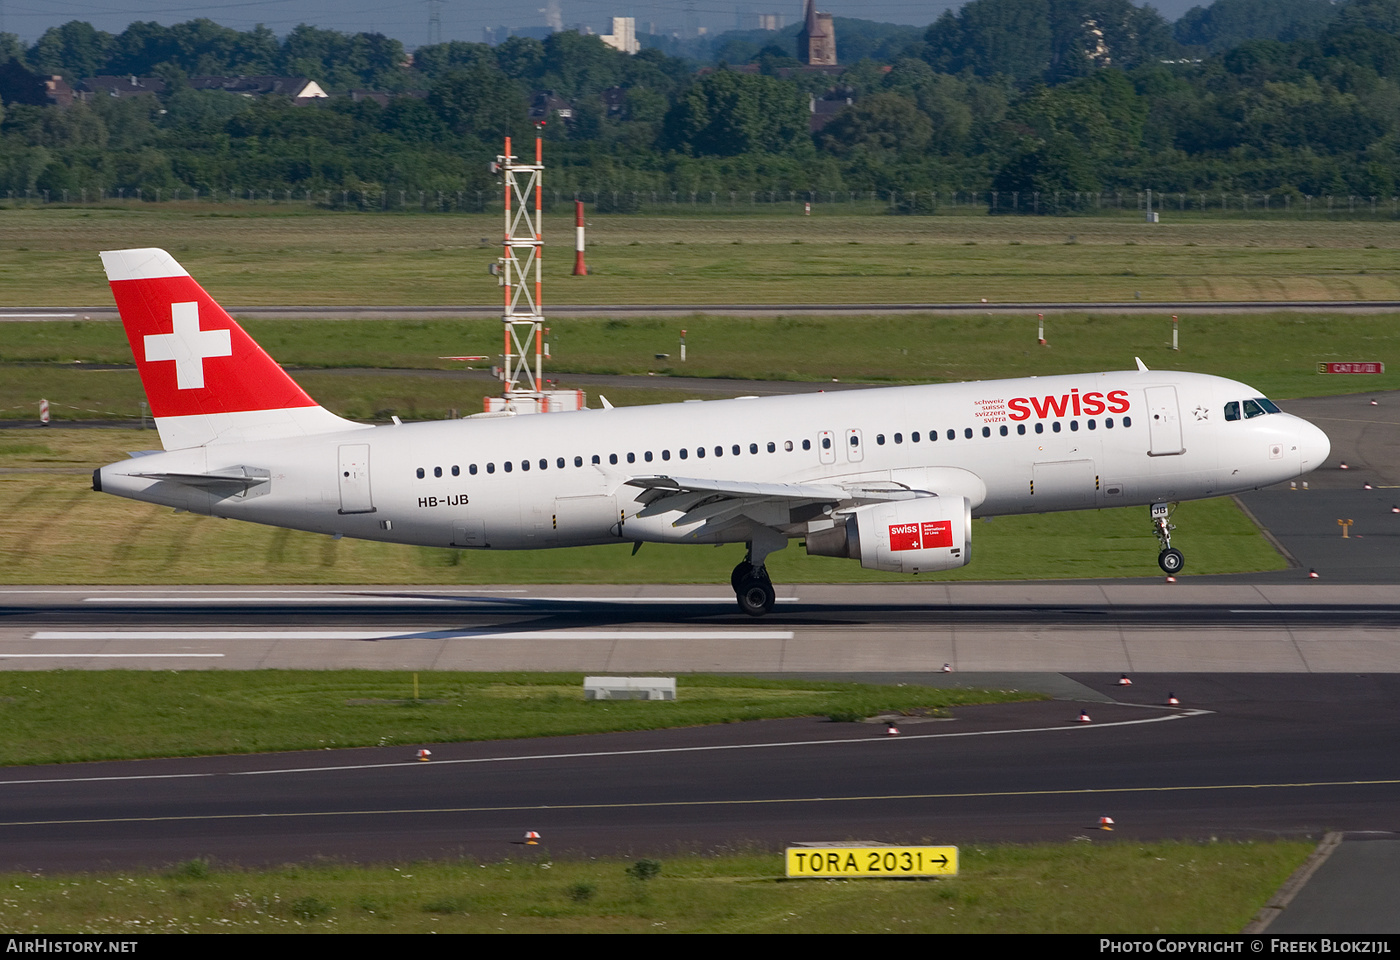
x=716, y=504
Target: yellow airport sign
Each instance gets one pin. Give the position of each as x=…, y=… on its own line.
x=872, y=861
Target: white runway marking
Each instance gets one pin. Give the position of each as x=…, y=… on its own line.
x=47, y=656
x=217, y=635
x=418, y=765
x=237, y=598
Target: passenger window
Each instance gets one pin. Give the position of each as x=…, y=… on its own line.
x=456, y=470
x=879, y=439
x=544, y=464
x=558, y=463
x=1055, y=426
x=826, y=445
x=507, y=466
x=753, y=448
x=735, y=449
x=899, y=438
x=1074, y=426
x=1020, y=429
x=1039, y=427
x=806, y=444
x=1003, y=429
x=578, y=461
x=700, y=452
x=719, y=451
x=967, y=432
x=1092, y=425
x=612, y=458
x=914, y=436
x=472, y=469
x=490, y=468
x=787, y=446
x=986, y=431
x=420, y=473
x=525, y=465
x=1127, y=421
x=597, y=460
x=631, y=458
x=647, y=456
x=1232, y=410
x=772, y=447
x=437, y=471
x=665, y=454
x=684, y=453
x=952, y=434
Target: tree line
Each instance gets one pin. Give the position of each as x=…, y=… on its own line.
x=1005, y=98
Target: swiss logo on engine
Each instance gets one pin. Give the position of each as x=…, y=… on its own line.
x=921, y=536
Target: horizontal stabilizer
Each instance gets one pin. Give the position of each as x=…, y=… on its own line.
x=248, y=477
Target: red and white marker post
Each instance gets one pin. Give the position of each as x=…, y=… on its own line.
x=580, y=268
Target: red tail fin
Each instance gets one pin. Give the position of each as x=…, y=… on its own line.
x=207, y=381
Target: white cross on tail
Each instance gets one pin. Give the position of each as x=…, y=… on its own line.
x=188, y=345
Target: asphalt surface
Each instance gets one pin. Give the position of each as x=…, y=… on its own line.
x=1251, y=757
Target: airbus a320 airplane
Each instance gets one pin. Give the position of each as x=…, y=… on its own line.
x=891, y=477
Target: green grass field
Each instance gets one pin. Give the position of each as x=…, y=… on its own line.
x=290, y=255
x=368, y=369
x=73, y=716
x=54, y=529
x=1083, y=887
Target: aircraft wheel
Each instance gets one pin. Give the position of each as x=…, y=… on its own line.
x=741, y=572
x=755, y=596
x=1171, y=560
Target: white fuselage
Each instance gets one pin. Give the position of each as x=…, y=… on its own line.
x=1013, y=446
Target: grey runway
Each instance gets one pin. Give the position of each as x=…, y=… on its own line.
x=1127, y=626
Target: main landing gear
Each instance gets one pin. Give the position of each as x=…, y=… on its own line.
x=1170, y=559
x=752, y=589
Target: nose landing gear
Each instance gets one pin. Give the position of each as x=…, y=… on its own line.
x=1169, y=559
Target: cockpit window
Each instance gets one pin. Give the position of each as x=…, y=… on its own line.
x=1252, y=409
x=1232, y=410
x=1268, y=405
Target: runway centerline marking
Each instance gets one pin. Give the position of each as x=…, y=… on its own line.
x=416, y=765
x=663, y=804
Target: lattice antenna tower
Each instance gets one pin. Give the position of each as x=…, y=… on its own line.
x=434, y=22
x=520, y=270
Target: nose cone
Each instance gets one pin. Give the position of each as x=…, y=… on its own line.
x=1313, y=446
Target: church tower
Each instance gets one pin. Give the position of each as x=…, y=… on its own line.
x=816, y=42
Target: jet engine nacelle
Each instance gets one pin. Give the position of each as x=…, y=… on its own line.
x=906, y=536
